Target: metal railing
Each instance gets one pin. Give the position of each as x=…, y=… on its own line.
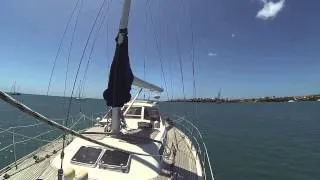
x=198, y=144
x=13, y=131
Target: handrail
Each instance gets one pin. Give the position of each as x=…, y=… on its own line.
x=205, y=148
x=11, y=130
x=14, y=151
x=34, y=137
x=180, y=121
x=15, y=127
x=204, y=144
x=202, y=159
x=47, y=132
x=37, y=124
x=199, y=150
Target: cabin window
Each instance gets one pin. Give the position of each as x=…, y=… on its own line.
x=87, y=155
x=134, y=112
x=151, y=114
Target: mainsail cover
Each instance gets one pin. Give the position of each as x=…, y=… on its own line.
x=120, y=77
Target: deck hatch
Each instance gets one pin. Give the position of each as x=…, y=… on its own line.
x=87, y=155
x=114, y=159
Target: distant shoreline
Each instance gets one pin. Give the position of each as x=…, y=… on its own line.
x=251, y=100
x=315, y=97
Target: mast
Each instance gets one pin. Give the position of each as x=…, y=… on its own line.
x=79, y=90
x=125, y=16
x=14, y=87
x=219, y=94
x=116, y=111
x=120, y=76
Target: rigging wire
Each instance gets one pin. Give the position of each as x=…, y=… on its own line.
x=166, y=32
x=193, y=63
x=158, y=45
x=145, y=46
x=70, y=48
x=83, y=53
x=179, y=53
x=189, y=12
x=60, y=44
x=107, y=50
x=171, y=81
x=180, y=62
x=77, y=73
x=93, y=45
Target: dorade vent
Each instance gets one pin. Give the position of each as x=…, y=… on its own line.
x=87, y=156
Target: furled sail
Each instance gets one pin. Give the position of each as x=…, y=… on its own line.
x=120, y=77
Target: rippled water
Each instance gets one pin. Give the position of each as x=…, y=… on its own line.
x=259, y=141
x=245, y=141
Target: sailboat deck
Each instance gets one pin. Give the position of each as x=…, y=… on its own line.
x=182, y=165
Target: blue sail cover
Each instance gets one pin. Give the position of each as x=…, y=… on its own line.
x=120, y=77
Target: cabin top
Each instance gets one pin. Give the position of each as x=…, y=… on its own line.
x=142, y=103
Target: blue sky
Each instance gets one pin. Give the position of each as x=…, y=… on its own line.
x=246, y=48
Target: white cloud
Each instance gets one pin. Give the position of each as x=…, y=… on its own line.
x=233, y=35
x=270, y=9
x=212, y=54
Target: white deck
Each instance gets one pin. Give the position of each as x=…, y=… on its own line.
x=184, y=162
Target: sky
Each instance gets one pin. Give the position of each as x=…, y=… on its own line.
x=245, y=48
